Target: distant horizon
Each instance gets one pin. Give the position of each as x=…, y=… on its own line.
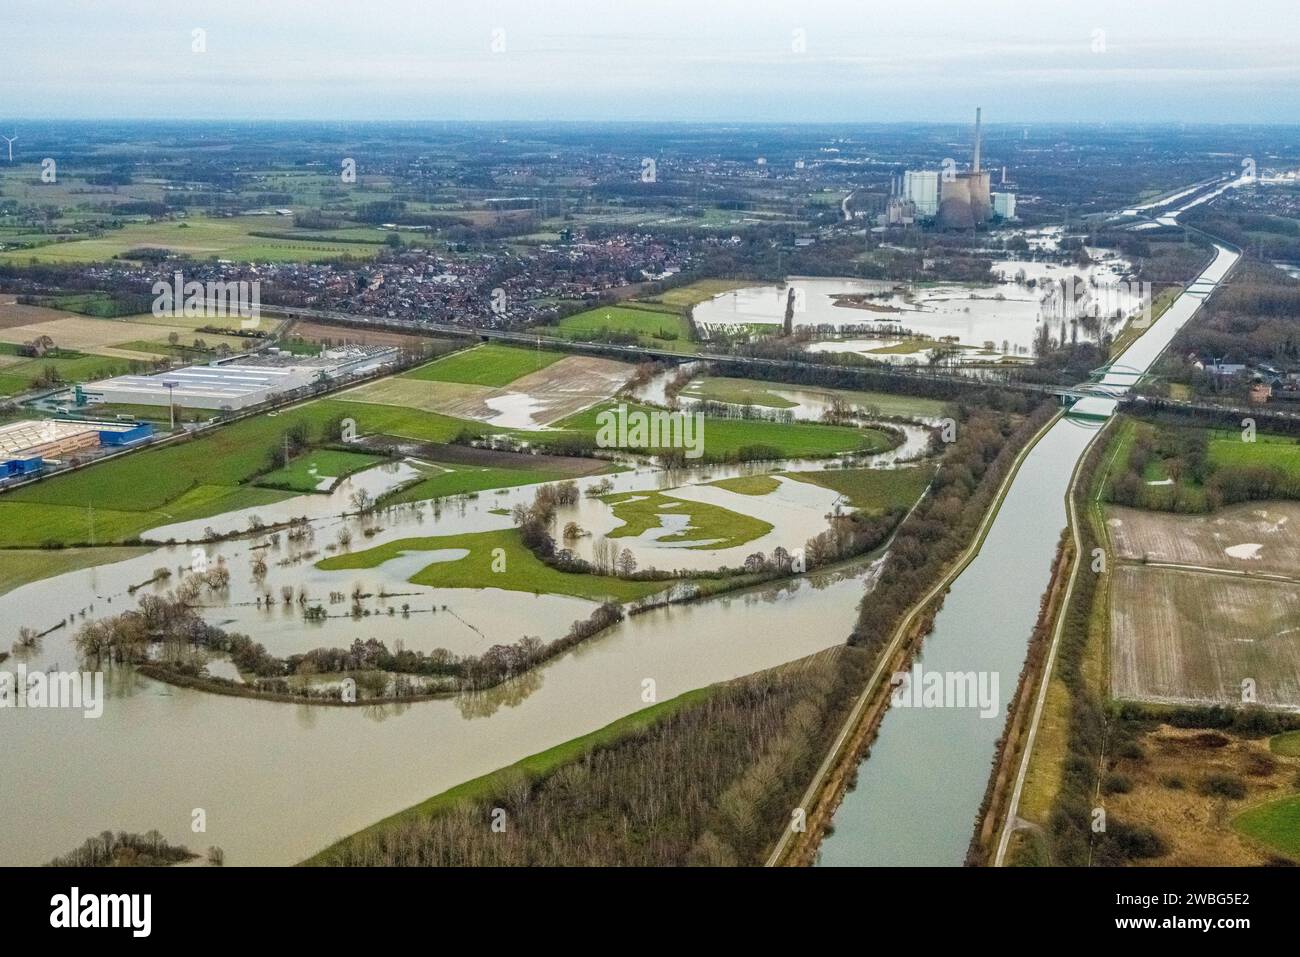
x=729, y=61
x=491, y=121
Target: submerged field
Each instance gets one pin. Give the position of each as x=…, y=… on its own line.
x=777, y=395
x=710, y=525
x=493, y=560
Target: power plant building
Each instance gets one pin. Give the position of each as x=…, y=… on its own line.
x=921, y=187
x=964, y=198
x=1004, y=205
x=957, y=200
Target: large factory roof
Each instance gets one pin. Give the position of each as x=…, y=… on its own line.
x=19, y=437
x=219, y=381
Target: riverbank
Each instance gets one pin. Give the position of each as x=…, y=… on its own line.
x=838, y=771
x=693, y=780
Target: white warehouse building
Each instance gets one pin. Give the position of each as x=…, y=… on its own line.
x=1004, y=205
x=922, y=188
x=216, y=387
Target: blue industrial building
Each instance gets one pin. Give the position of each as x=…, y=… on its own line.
x=138, y=431
x=18, y=468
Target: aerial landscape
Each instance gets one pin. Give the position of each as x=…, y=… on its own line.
x=771, y=444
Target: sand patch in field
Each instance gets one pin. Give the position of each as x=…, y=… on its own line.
x=532, y=401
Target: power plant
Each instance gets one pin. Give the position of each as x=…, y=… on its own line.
x=964, y=201
x=953, y=199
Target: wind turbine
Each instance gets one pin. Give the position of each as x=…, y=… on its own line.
x=10, y=140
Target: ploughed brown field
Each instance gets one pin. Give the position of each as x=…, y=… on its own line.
x=12, y=314
x=1253, y=537
x=353, y=336
x=1180, y=636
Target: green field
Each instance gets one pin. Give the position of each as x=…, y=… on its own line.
x=70, y=366
x=1286, y=744
x=192, y=479
x=143, y=413
x=737, y=392
x=534, y=767
x=654, y=328
x=1275, y=824
x=305, y=473
x=200, y=238
x=99, y=304
x=462, y=479
x=763, y=393
x=683, y=297
x=872, y=490
x=522, y=571
x=1227, y=448
x=725, y=438
x=21, y=566
x=179, y=482
x=490, y=365
x=749, y=484
x=711, y=525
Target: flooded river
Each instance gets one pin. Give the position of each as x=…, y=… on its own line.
x=279, y=781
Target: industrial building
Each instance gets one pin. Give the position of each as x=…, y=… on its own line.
x=921, y=187
x=960, y=200
x=218, y=387
x=237, y=384
x=964, y=200
x=26, y=445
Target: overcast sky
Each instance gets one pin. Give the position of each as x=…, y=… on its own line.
x=737, y=60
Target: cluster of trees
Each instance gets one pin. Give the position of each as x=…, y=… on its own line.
x=748, y=413
x=534, y=520
x=124, y=849
x=172, y=621
x=606, y=559
x=848, y=535
x=840, y=370
x=1194, y=482
x=711, y=783
x=1267, y=236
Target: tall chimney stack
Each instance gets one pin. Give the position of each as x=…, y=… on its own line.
x=975, y=166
